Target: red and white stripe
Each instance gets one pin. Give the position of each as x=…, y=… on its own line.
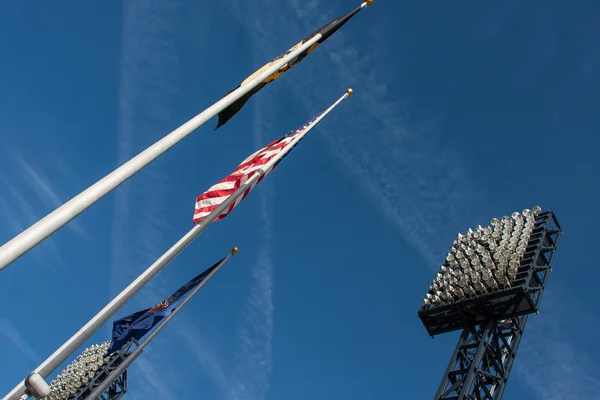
x=257, y=163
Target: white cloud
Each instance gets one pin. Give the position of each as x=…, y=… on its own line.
x=157, y=382
x=554, y=369
x=417, y=184
x=18, y=212
x=253, y=354
x=552, y=361
x=21, y=202
x=211, y=362
x=41, y=186
x=13, y=335
x=148, y=86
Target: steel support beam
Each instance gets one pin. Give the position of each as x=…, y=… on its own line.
x=482, y=360
x=118, y=388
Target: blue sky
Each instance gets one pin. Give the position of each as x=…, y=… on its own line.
x=462, y=111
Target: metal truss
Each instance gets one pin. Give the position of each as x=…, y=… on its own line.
x=117, y=389
x=481, y=363
x=119, y=386
x=537, y=261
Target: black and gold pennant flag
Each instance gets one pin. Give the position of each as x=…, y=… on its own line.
x=326, y=31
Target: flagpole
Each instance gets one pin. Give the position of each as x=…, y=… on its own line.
x=52, y=222
x=138, y=351
x=63, y=352
x=39, y=231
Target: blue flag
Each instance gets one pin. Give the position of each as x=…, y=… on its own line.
x=138, y=324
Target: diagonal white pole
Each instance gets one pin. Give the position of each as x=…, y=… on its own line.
x=45, y=227
x=138, y=351
x=63, y=352
x=52, y=222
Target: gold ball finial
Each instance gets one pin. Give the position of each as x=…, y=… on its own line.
x=234, y=250
x=349, y=91
x=369, y=2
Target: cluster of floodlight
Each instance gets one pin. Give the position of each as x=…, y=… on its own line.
x=79, y=372
x=482, y=261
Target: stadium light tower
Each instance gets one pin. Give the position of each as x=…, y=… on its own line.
x=492, y=279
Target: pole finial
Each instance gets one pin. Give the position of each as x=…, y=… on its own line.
x=349, y=91
x=234, y=250
x=369, y=2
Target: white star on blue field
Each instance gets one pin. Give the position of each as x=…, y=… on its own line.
x=462, y=111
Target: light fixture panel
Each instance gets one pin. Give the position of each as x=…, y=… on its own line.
x=482, y=260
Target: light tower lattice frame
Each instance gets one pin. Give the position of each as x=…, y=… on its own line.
x=118, y=388
x=493, y=325
x=482, y=361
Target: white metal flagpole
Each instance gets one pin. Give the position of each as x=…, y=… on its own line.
x=45, y=227
x=39, y=231
x=138, y=351
x=35, y=383
x=63, y=352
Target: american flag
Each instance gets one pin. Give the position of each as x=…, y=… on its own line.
x=252, y=165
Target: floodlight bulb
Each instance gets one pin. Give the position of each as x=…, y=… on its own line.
x=536, y=210
x=528, y=226
x=518, y=227
x=520, y=224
